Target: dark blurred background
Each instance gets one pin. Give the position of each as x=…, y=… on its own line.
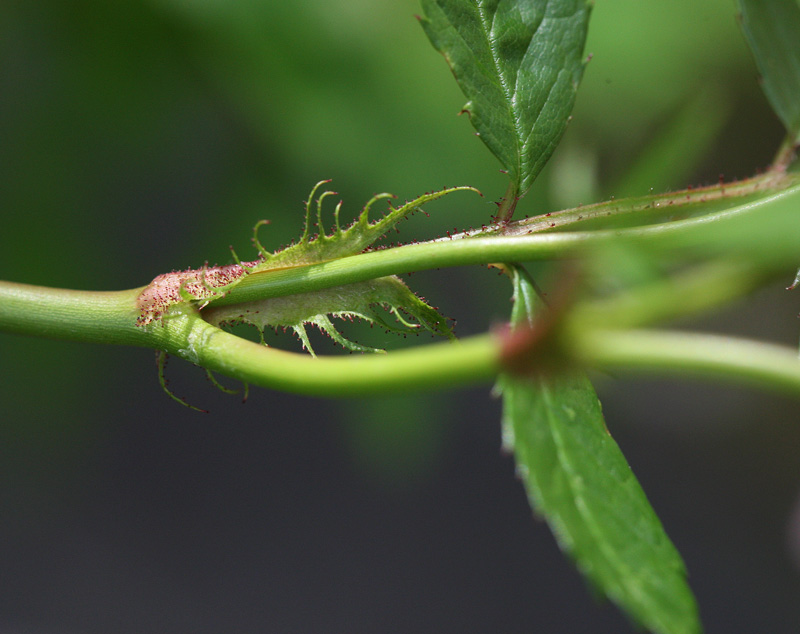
x=140, y=137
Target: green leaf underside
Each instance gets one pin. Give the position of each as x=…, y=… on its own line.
x=519, y=63
x=578, y=479
x=368, y=300
x=772, y=29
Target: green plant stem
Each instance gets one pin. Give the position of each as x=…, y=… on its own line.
x=786, y=154
x=689, y=292
x=110, y=318
x=507, y=205
x=99, y=317
x=647, y=209
x=693, y=354
x=696, y=235
x=433, y=366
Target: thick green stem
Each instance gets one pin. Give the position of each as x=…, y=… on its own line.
x=433, y=366
x=110, y=318
x=99, y=317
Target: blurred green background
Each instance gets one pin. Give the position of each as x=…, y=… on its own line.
x=140, y=137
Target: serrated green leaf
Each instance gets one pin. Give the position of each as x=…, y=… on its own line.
x=578, y=479
x=519, y=63
x=772, y=29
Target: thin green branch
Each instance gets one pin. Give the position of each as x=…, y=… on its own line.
x=688, y=292
x=693, y=234
x=693, y=354
x=786, y=154
x=642, y=210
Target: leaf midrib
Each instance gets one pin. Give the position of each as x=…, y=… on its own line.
x=511, y=97
x=627, y=578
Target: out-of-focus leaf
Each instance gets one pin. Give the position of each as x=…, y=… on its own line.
x=578, y=479
x=772, y=28
x=519, y=63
